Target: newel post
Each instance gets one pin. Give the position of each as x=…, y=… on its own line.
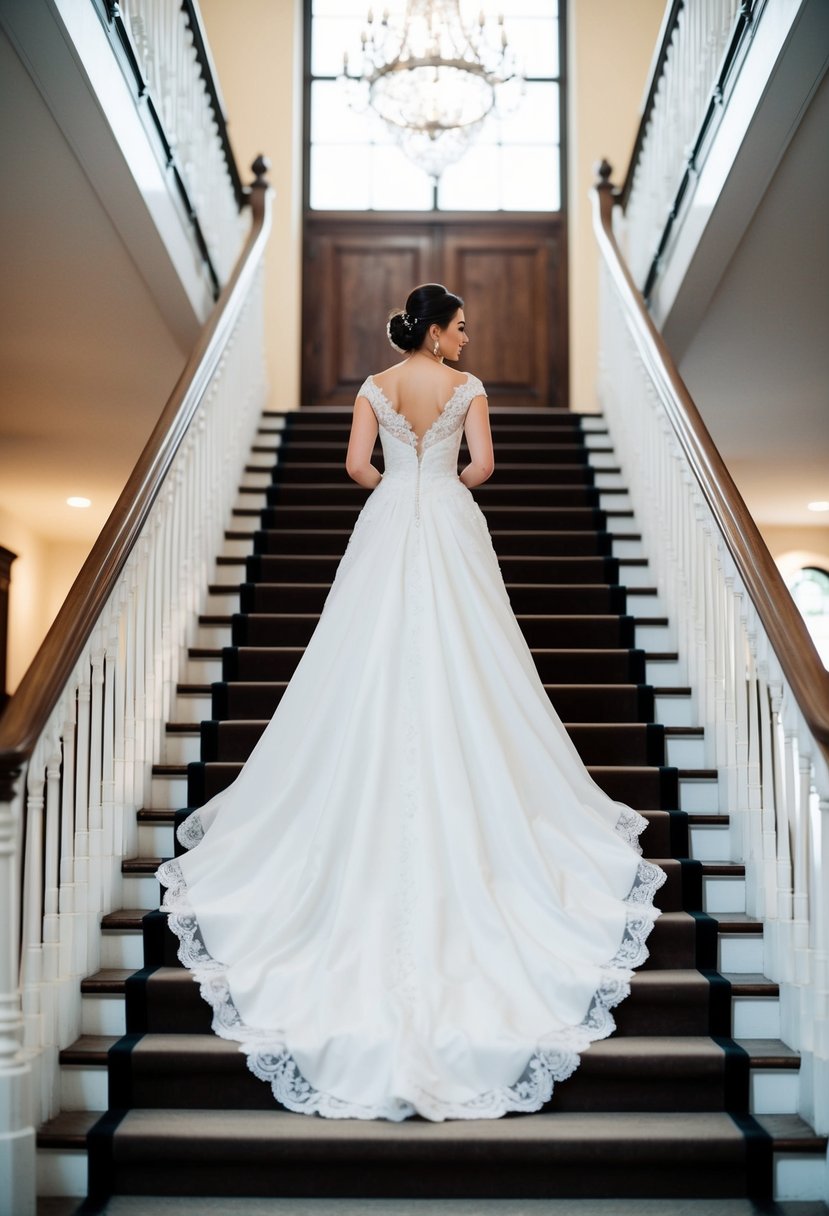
x=17, y=1132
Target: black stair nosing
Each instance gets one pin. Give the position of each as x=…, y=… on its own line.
x=684, y=732
x=193, y=690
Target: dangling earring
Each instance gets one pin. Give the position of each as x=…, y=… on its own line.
x=435, y=349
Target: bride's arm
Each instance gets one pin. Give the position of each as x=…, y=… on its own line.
x=479, y=441
x=361, y=442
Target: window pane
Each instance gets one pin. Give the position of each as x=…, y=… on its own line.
x=473, y=183
x=340, y=177
x=531, y=179
x=514, y=163
x=535, y=44
x=510, y=8
x=334, y=121
x=341, y=8
x=535, y=119
x=397, y=184
x=330, y=36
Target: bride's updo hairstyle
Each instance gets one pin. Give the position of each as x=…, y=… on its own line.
x=429, y=304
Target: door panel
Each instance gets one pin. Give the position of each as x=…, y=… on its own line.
x=510, y=272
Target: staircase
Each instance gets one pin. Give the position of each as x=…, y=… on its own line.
x=695, y=1095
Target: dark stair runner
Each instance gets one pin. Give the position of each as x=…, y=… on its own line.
x=661, y=1108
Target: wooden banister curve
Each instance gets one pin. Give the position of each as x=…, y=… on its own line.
x=28, y=710
x=786, y=630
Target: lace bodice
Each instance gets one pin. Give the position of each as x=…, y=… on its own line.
x=397, y=427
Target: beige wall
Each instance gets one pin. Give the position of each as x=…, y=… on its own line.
x=257, y=49
x=610, y=45
x=40, y=579
x=795, y=547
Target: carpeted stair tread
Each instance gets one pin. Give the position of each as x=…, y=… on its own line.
x=164, y=999
x=342, y=515
x=573, y=568
x=288, y=596
x=633, y=1074
x=581, y=542
x=254, y=664
x=596, y=630
x=540, y=494
x=612, y=703
x=512, y=450
x=619, y=743
x=645, y=1114
x=505, y=474
x=637, y=785
x=543, y=1154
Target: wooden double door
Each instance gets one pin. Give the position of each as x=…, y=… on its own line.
x=510, y=271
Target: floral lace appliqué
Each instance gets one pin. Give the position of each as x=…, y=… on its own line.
x=449, y=420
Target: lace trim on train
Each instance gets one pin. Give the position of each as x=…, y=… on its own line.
x=555, y=1058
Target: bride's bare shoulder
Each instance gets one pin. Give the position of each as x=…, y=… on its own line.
x=390, y=373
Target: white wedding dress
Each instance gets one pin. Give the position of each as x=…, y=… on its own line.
x=414, y=898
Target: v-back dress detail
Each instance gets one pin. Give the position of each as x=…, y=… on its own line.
x=413, y=898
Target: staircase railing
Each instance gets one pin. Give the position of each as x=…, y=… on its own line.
x=166, y=60
x=79, y=736
x=762, y=690
x=697, y=57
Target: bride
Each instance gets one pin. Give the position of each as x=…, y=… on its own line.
x=414, y=900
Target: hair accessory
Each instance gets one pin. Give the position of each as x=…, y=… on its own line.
x=408, y=320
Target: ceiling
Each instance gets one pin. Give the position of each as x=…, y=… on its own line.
x=86, y=359
x=758, y=366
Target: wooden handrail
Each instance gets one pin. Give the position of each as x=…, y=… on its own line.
x=786, y=630
x=28, y=710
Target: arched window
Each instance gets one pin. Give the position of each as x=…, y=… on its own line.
x=810, y=591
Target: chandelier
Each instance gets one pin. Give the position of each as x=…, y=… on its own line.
x=432, y=79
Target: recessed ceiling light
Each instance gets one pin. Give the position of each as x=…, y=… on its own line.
x=85, y=502
x=818, y=506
